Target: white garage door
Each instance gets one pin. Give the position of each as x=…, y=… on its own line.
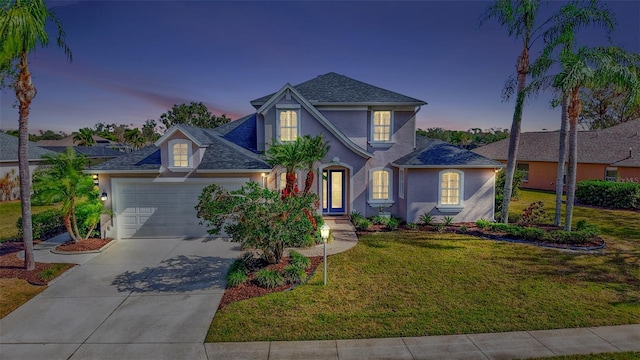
x=161, y=210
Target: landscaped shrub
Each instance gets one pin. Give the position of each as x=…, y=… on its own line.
x=483, y=223
x=609, y=194
x=294, y=275
x=439, y=227
x=448, y=220
x=393, y=223
x=237, y=273
x=379, y=220
x=574, y=237
x=463, y=228
x=532, y=214
x=426, y=218
x=268, y=278
x=45, y=224
x=355, y=216
x=363, y=224
x=298, y=260
x=412, y=226
x=533, y=233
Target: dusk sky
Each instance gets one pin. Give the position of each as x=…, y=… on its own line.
x=133, y=60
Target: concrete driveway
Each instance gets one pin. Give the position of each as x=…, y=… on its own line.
x=140, y=298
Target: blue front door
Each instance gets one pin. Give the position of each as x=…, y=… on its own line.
x=333, y=192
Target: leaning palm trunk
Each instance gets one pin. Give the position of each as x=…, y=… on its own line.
x=514, y=135
x=25, y=92
x=562, y=158
x=308, y=183
x=67, y=225
x=574, y=111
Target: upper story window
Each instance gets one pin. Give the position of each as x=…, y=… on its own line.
x=381, y=125
x=525, y=169
x=380, y=186
x=288, y=125
x=180, y=154
x=611, y=174
x=450, y=194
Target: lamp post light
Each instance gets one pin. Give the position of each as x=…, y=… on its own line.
x=324, y=233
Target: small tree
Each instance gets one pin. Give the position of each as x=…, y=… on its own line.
x=84, y=137
x=63, y=181
x=257, y=218
x=315, y=149
x=195, y=114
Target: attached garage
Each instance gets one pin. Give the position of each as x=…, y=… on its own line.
x=153, y=209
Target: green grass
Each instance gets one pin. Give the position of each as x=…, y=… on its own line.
x=15, y=292
x=10, y=211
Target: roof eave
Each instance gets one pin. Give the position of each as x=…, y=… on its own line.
x=488, y=166
x=230, y=171
x=325, y=103
x=146, y=171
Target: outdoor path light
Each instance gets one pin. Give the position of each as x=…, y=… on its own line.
x=324, y=233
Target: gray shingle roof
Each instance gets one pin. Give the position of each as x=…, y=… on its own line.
x=437, y=153
x=607, y=146
x=220, y=154
x=9, y=149
x=336, y=88
x=89, y=151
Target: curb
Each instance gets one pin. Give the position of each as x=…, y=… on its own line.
x=107, y=245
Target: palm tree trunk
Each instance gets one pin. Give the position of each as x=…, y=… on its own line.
x=309, y=181
x=25, y=92
x=562, y=158
x=67, y=225
x=574, y=111
x=514, y=135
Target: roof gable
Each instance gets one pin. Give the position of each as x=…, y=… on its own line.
x=317, y=115
x=334, y=88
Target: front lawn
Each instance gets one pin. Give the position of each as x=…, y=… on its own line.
x=10, y=212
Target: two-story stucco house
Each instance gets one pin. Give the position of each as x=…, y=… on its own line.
x=375, y=163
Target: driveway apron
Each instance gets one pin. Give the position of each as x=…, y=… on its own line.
x=128, y=300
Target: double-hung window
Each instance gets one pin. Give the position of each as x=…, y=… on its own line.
x=381, y=124
x=180, y=154
x=380, y=187
x=451, y=191
x=525, y=170
x=288, y=122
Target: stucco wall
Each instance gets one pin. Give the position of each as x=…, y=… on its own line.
x=422, y=190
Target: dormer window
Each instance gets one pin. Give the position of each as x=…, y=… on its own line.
x=180, y=154
x=381, y=126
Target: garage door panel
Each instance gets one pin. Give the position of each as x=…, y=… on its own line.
x=161, y=209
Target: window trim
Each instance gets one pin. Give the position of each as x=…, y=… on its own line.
x=189, y=166
x=281, y=109
x=381, y=202
x=451, y=208
x=401, y=181
x=373, y=142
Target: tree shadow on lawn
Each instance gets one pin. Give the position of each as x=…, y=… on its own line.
x=178, y=274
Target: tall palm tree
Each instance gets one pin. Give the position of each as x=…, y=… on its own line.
x=22, y=29
x=519, y=17
x=84, y=137
x=562, y=34
x=593, y=68
x=291, y=156
x=63, y=181
x=315, y=150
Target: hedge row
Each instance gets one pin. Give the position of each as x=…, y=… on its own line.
x=49, y=223
x=609, y=194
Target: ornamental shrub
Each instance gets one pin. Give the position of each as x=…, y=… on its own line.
x=363, y=224
x=294, y=274
x=45, y=224
x=393, y=223
x=268, y=278
x=532, y=214
x=426, y=218
x=298, y=260
x=609, y=194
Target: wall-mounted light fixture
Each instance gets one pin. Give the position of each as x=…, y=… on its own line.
x=95, y=179
x=264, y=180
x=103, y=197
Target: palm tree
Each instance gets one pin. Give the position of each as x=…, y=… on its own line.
x=84, y=137
x=291, y=156
x=562, y=33
x=593, y=68
x=22, y=28
x=63, y=181
x=519, y=17
x=315, y=149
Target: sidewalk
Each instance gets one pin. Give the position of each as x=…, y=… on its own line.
x=512, y=345
x=343, y=235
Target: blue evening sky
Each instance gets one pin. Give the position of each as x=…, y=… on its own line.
x=132, y=60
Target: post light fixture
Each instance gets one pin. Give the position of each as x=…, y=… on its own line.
x=103, y=197
x=324, y=233
x=95, y=179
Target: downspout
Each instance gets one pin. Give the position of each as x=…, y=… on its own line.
x=415, y=124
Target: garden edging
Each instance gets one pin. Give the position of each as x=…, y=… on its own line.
x=53, y=250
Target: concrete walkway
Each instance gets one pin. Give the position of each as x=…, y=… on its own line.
x=154, y=299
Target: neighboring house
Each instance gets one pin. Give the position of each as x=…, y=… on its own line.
x=99, y=142
x=607, y=154
x=95, y=154
x=9, y=164
x=375, y=163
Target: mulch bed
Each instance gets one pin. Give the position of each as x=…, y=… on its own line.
x=11, y=266
x=249, y=289
x=83, y=245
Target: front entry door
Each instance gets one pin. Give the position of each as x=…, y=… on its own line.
x=333, y=185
